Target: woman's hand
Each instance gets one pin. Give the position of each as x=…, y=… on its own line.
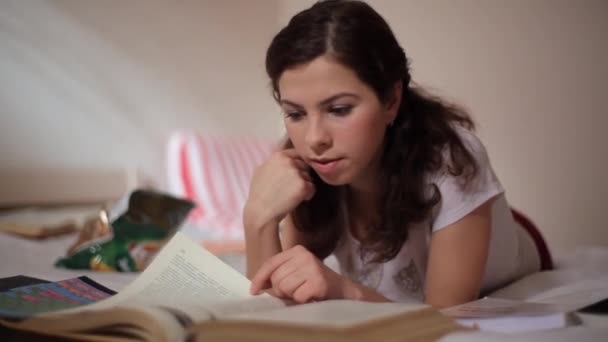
x=299, y=275
x=278, y=186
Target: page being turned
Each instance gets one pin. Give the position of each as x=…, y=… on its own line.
x=183, y=276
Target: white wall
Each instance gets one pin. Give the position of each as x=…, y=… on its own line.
x=101, y=84
x=533, y=73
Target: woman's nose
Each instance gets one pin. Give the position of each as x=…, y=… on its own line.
x=318, y=137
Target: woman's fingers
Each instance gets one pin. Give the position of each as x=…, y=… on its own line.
x=289, y=284
x=297, y=274
x=306, y=176
x=303, y=294
x=262, y=279
x=300, y=164
x=296, y=160
x=290, y=152
x=309, y=191
x=281, y=266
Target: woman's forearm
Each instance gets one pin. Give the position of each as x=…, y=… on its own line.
x=261, y=242
x=357, y=291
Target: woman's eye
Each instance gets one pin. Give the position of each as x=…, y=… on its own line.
x=340, y=110
x=294, y=116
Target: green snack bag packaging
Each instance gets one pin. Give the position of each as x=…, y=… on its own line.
x=132, y=239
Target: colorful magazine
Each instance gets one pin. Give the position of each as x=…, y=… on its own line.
x=26, y=301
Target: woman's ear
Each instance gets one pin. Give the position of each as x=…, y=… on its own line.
x=394, y=101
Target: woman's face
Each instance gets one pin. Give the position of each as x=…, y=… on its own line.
x=335, y=121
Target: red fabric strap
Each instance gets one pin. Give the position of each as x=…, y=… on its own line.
x=546, y=262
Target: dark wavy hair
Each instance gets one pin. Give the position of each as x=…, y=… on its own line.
x=421, y=141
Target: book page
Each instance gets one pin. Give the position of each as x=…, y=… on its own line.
x=331, y=313
x=262, y=302
x=183, y=276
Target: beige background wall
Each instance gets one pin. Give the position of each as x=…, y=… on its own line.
x=100, y=84
x=533, y=74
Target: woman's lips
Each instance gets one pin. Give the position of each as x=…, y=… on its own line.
x=326, y=166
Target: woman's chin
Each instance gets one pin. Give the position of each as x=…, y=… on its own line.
x=334, y=180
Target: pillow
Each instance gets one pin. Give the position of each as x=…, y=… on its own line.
x=215, y=173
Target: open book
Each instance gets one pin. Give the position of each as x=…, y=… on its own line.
x=187, y=292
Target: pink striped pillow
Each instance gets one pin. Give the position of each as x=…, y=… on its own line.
x=215, y=173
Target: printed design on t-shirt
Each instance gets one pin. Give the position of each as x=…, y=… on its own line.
x=364, y=272
x=408, y=280
x=370, y=275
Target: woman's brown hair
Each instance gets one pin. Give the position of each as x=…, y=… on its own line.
x=415, y=144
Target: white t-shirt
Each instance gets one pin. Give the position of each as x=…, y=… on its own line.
x=511, y=254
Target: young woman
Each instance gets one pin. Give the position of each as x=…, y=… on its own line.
x=386, y=177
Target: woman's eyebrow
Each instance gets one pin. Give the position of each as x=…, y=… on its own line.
x=335, y=97
x=291, y=104
x=323, y=103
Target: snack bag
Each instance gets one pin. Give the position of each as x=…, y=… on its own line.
x=130, y=242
